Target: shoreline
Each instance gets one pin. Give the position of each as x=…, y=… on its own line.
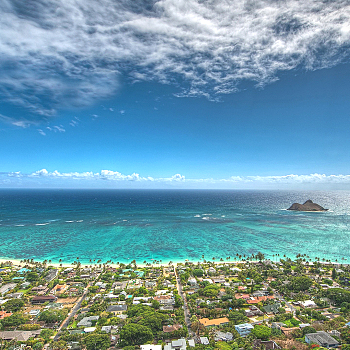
x=20, y=263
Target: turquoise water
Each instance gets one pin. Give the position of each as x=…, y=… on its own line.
x=122, y=225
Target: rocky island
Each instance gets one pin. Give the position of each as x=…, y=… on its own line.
x=309, y=205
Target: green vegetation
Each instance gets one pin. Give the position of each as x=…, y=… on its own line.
x=135, y=334
x=53, y=316
x=97, y=341
x=262, y=332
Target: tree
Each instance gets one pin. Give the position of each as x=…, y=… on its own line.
x=308, y=329
x=46, y=333
x=38, y=346
x=338, y=295
x=151, y=319
x=14, y=320
x=32, y=276
x=211, y=291
x=53, y=316
x=301, y=283
x=135, y=334
x=198, y=272
x=155, y=304
x=97, y=342
x=345, y=334
x=262, y=332
x=237, y=317
x=13, y=305
x=59, y=345
x=334, y=273
x=260, y=256
x=178, y=300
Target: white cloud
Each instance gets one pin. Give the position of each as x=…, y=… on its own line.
x=74, y=122
x=42, y=172
x=177, y=177
x=22, y=123
x=74, y=51
x=114, y=178
x=41, y=132
x=59, y=128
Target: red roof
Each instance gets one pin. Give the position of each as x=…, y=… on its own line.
x=4, y=314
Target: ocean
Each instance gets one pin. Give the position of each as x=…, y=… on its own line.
x=170, y=225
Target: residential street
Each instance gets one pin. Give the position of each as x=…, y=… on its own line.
x=185, y=306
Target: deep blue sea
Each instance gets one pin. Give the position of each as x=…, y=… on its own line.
x=170, y=225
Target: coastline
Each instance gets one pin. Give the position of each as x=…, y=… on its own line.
x=21, y=263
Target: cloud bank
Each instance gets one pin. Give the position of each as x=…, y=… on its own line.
x=115, y=179
x=63, y=53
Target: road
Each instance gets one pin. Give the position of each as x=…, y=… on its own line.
x=74, y=310
x=185, y=306
x=291, y=307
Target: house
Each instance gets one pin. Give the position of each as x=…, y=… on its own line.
x=219, y=280
x=267, y=345
x=272, y=308
x=52, y=274
x=60, y=288
x=7, y=287
x=167, y=308
x=150, y=347
x=321, y=338
x=211, y=270
x=165, y=299
x=101, y=285
x=204, y=340
x=137, y=300
x=179, y=344
x=17, y=335
x=88, y=321
x=17, y=295
x=41, y=299
x=117, y=309
x=334, y=332
x=119, y=285
x=215, y=322
x=168, y=284
x=242, y=296
x=253, y=311
x=25, y=285
x=34, y=312
x=171, y=328
x=39, y=289
x=4, y=314
x=244, y=329
x=209, y=280
x=192, y=281
x=150, y=284
x=191, y=343
x=89, y=329
x=106, y=329
x=222, y=336
x=308, y=304
x=259, y=299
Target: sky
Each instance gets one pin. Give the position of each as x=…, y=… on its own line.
x=175, y=94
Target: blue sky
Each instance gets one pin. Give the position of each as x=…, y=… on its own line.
x=175, y=94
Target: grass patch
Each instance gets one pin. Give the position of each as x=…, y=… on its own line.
x=73, y=325
x=292, y=323
x=261, y=318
